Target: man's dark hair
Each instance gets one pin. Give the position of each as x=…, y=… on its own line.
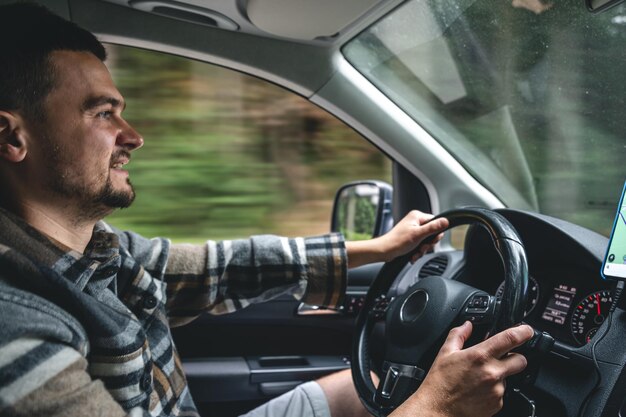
x=29, y=34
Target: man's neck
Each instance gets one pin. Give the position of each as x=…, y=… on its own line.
x=58, y=225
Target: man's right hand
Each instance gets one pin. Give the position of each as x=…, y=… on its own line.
x=468, y=382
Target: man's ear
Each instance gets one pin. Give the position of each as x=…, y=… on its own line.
x=12, y=140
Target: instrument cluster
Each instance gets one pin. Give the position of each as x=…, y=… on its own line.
x=569, y=305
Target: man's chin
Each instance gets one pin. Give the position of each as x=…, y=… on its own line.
x=120, y=200
x=117, y=198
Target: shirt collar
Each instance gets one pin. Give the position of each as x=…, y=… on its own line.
x=99, y=264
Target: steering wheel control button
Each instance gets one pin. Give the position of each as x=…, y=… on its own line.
x=413, y=306
x=354, y=304
x=479, y=308
x=478, y=303
x=381, y=304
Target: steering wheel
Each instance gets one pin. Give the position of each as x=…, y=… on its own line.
x=418, y=321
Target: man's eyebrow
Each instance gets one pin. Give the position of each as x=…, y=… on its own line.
x=94, y=102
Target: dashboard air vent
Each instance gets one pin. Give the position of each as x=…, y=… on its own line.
x=434, y=267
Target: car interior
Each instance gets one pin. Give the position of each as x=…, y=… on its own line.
x=505, y=115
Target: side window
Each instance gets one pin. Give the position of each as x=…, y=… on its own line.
x=227, y=155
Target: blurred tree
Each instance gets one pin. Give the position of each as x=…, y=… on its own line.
x=228, y=155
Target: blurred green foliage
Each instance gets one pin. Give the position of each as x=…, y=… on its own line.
x=228, y=155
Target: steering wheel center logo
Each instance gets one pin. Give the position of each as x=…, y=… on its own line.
x=413, y=306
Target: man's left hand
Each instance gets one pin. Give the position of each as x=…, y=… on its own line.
x=406, y=235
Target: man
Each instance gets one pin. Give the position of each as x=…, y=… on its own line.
x=85, y=310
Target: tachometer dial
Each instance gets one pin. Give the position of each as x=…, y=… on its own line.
x=589, y=314
x=533, y=295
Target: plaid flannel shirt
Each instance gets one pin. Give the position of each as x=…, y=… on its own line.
x=89, y=334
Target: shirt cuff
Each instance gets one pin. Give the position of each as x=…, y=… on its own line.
x=327, y=270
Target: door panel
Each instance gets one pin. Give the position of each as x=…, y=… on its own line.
x=237, y=361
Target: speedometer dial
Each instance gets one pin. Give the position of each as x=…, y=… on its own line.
x=589, y=314
x=533, y=295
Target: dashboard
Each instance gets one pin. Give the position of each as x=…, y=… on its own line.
x=567, y=296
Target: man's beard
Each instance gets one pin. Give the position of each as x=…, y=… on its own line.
x=115, y=198
x=92, y=204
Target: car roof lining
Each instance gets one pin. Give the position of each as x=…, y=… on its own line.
x=302, y=68
x=325, y=22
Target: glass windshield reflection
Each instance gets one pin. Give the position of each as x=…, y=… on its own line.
x=528, y=95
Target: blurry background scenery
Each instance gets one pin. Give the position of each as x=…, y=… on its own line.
x=227, y=155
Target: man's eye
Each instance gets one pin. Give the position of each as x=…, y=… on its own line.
x=104, y=114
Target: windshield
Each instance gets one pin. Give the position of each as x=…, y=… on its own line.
x=528, y=95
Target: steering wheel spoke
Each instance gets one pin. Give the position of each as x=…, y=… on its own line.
x=400, y=381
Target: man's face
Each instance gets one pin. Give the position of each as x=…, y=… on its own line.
x=82, y=143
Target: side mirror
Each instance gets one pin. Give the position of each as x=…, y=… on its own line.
x=362, y=210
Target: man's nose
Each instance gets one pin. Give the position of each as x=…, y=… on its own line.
x=129, y=137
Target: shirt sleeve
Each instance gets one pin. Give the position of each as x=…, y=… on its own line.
x=222, y=277
x=45, y=378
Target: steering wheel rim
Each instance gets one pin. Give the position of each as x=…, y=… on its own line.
x=508, y=312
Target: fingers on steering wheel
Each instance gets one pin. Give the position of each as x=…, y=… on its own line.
x=500, y=344
x=436, y=226
x=426, y=248
x=513, y=363
x=457, y=338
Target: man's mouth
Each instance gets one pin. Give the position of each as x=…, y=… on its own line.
x=120, y=160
